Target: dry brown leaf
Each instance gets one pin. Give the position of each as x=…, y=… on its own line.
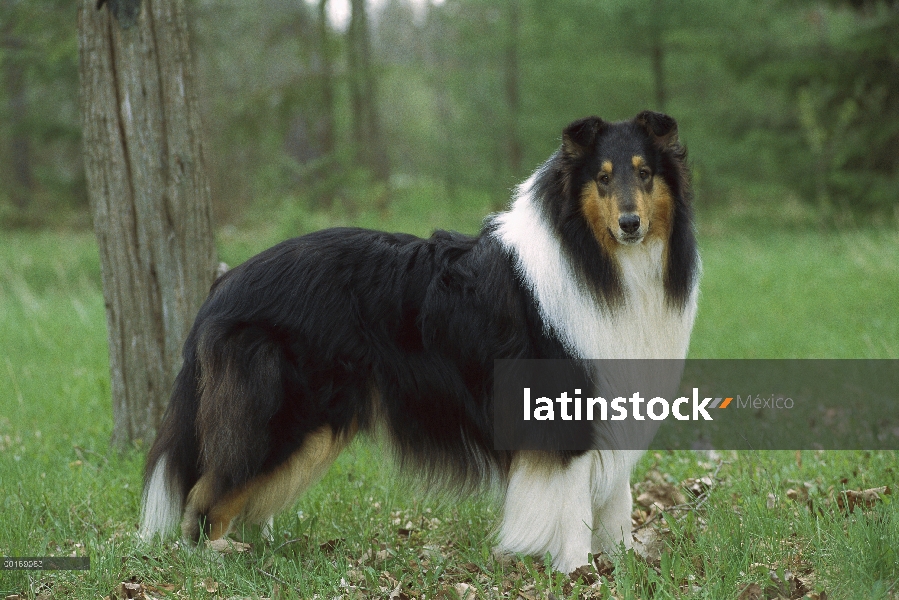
x=585, y=573
x=211, y=585
x=330, y=545
x=847, y=500
x=527, y=593
x=648, y=544
x=228, y=546
x=604, y=566
x=696, y=487
x=398, y=594
x=800, y=495
x=660, y=496
x=129, y=590
x=787, y=587
x=753, y=591
x=465, y=591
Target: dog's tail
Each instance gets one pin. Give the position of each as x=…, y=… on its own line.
x=214, y=437
x=172, y=463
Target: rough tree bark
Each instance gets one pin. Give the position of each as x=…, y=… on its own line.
x=150, y=199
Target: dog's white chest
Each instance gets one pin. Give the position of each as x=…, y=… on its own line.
x=643, y=327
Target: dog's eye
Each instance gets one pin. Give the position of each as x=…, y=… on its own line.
x=644, y=174
x=605, y=179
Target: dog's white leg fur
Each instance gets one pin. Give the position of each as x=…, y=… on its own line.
x=548, y=509
x=569, y=512
x=161, y=507
x=612, y=523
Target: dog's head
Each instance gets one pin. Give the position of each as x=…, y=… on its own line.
x=623, y=174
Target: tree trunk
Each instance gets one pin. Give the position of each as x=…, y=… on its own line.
x=150, y=200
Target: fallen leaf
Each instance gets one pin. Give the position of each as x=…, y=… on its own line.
x=648, y=544
x=787, y=586
x=660, y=496
x=227, y=546
x=330, y=545
x=398, y=594
x=800, y=495
x=527, y=593
x=465, y=591
x=697, y=487
x=585, y=573
x=604, y=566
x=847, y=500
x=129, y=590
x=211, y=585
x=753, y=591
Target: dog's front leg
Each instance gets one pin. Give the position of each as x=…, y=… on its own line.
x=613, y=502
x=549, y=508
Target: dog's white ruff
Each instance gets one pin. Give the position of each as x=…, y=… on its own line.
x=585, y=507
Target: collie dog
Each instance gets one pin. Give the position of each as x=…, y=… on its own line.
x=348, y=330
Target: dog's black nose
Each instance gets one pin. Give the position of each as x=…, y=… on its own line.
x=629, y=223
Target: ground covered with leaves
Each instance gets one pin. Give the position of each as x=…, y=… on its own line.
x=746, y=525
x=715, y=525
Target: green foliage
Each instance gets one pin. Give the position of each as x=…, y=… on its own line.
x=835, y=66
x=40, y=162
x=775, y=100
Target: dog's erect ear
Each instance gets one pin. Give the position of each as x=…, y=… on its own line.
x=662, y=127
x=578, y=138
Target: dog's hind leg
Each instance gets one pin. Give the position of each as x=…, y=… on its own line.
x=266, y=495
x=273, y=492
x=214, y=514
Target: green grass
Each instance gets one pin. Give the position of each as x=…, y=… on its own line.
x=765, y=294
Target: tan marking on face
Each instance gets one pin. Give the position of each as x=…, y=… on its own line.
x=607, y=167
x=661, y=207
x=638, y=161
x=598, y=210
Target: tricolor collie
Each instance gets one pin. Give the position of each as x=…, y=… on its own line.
x=348, y=330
